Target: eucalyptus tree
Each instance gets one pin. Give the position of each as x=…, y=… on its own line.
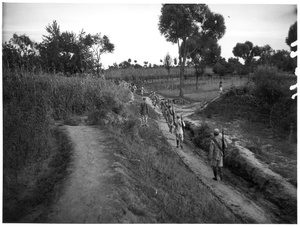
x=247, y=52
x=204, y=51
x=179, y=22
x=100, y=46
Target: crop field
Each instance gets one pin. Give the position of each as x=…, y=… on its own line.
x=208, y=87
x=167, y=84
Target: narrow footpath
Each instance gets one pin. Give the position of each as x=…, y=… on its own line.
x=236, y=202
x=86, y=196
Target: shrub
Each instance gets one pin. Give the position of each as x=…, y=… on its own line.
x=272, y=89
x=269, y=86
x=202, y=136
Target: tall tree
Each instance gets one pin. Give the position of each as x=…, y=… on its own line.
x=292, y=36
x=179, y=22
x=204, y=51
x=49, y=49
x=100, y=46
x=247, y=52
x=266, y=53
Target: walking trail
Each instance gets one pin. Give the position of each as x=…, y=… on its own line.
x=236, y=202
x=86, y=196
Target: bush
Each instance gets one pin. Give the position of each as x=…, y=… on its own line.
x=272, y=89
x=269, y=84
x=202, y=136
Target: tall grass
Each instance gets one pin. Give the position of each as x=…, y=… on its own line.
x=31, y=106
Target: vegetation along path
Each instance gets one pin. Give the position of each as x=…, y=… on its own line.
x=235, y=201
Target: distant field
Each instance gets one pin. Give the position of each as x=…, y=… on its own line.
x=149, y=73
x=208, y=88
x=158, y=80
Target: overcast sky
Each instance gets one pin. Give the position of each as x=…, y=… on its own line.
x=133, y=28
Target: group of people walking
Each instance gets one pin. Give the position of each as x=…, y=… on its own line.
x=174, y=121
x=176, y=125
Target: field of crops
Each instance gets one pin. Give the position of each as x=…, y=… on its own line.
x=149, y=74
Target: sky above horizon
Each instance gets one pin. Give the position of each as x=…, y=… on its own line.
x=133, y=28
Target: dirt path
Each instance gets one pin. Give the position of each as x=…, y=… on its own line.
x=86, y=196
x=236, y=202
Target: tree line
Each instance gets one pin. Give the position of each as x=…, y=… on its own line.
x=193, y=27
x=196, y=30
x=64, y=52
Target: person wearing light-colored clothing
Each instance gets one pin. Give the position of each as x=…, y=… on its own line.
x=179, y=124
x=216, y=154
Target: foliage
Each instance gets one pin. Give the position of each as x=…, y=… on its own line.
x=20, y=53
x=202, y=136
x=246, y=51
x=179, y=22
x=292, y=36
x=270, y=85
x=63, y=52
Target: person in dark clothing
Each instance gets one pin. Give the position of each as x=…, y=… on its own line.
x=144, y=112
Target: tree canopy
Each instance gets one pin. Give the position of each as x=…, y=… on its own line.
x=292, y=36
x=180, y=22
x=59, y=51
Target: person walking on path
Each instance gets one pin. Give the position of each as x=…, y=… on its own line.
x=169, y=118
x=179, y=124
x=144, y=112
x=142, y=90
x=216, y=154
x=221, y=88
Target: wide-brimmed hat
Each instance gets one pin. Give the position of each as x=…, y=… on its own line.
x=216, y=131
